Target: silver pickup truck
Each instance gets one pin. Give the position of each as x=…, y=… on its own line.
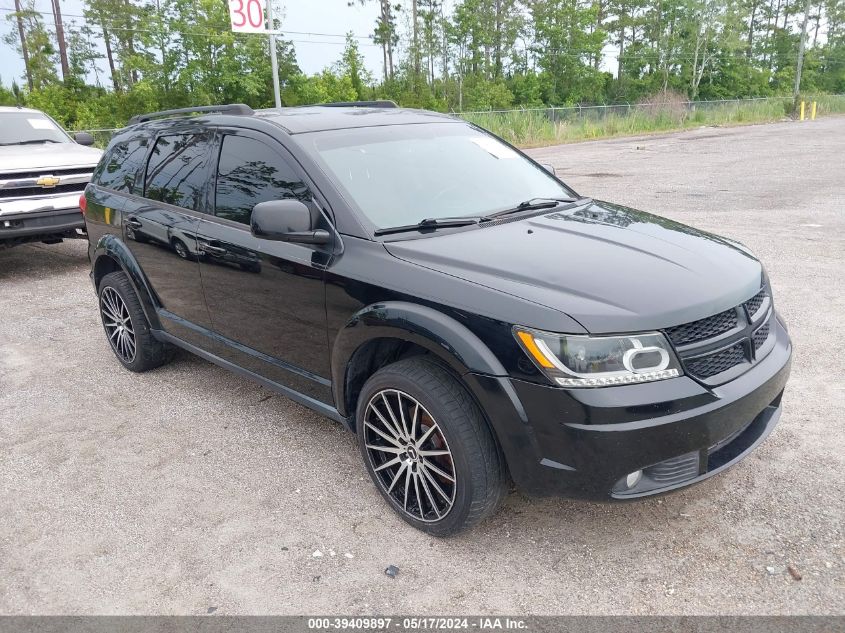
x=43, y=171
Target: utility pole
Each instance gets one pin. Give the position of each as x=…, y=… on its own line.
x=797, y=89
x=274, y=62
x=416, y=42
x=24, y=50
x=115, y=80
x=60, y=38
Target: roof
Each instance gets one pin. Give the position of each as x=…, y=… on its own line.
x=315, y=118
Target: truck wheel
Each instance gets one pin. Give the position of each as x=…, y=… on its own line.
x=428, y=448
x=126, y=326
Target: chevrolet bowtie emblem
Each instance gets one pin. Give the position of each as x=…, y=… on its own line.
x=48, y=181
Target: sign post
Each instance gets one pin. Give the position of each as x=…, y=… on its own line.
x=274, y=62
x=249, y=16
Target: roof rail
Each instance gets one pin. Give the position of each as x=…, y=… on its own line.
x=232, y=108
x=380, y=103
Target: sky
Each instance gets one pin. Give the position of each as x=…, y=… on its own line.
x=330, y=18
x=335, y=17
x=327, y=20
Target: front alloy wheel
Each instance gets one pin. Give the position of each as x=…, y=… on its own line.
x=428, y=448
x=409, y=455
x=181, y=249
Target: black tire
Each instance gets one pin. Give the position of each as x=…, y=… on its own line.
x=148, y=352
x=478, y=467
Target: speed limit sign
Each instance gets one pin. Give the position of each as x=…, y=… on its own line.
x=247, y=16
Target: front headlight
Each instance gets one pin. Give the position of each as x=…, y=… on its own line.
x=599, y=361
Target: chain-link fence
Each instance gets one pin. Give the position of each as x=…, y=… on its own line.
x=596, y=112
x=569, y=113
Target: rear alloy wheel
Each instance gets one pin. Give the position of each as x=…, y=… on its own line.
x=118, y=325
x=428, y=448
x=126, y=326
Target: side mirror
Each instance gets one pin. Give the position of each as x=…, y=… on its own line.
x=286, y=221
x=549, y=168
x=83, y=138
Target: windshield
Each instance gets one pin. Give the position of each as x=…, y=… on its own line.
x=29, y=127
x=398, y=175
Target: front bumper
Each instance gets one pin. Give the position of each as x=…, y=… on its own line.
x=35, y=225
x=583, y=442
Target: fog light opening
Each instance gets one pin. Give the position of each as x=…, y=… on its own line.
x=633, y=479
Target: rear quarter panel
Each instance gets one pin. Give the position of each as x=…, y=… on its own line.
x=104, y=215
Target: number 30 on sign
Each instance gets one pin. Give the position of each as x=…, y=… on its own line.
x=247, y=16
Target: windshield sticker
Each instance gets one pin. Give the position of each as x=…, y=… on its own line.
x=493, y=147
x=40, y=124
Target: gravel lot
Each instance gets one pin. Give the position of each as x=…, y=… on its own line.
x=189, y=488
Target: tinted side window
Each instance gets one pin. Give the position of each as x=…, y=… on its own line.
x=251, y=172
x=176, y=171
x=119, y=168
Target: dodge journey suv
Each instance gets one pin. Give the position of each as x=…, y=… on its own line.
x=464, y=312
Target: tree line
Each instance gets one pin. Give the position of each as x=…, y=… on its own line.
x=122, y=57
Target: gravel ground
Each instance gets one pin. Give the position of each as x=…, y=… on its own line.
x=189, y=488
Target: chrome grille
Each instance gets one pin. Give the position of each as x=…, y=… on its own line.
x=32, y=192
x=68, y=171
x=45, y=183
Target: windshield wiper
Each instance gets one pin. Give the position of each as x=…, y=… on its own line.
x=431, y=223
x=31, y=141
x=466, y=220
x=531, y=205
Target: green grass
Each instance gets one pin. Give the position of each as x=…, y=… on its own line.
x=533, y=128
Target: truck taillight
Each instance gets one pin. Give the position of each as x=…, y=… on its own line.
x=83, y=204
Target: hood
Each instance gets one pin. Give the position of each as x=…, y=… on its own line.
x=611, y=268
x=46, y=156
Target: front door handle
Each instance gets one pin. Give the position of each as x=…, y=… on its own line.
x=212, y=250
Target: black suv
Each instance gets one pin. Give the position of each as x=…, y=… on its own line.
x=440, y=294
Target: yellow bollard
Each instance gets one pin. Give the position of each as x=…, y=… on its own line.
x=813, y=112
x=802, y=111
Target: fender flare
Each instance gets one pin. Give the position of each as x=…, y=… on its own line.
x=115, y=249
x=431, y=329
